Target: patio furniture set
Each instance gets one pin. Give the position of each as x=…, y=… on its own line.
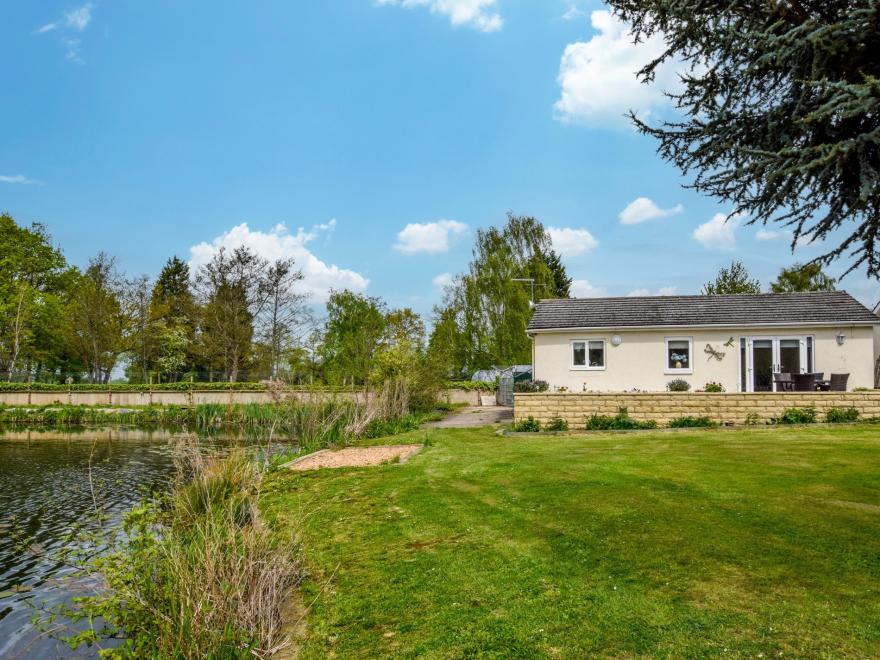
x=814, y=382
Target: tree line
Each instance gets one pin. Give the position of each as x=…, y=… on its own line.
x=240, y=317
x=238, y=313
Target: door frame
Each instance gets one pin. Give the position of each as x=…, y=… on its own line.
x=775, y=359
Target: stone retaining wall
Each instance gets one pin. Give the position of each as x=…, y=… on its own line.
x=726, y=407
x=183, y=398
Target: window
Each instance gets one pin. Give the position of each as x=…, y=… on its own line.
x=588, y=354
x=810, y=366
x=678, y=355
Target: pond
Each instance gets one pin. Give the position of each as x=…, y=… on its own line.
x=50, y=482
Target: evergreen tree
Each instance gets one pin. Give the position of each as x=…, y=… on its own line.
x=733, y=280
x=231, y=287
x=174, y=317
x=807, y=277
x=780, y=110
x=560, y=282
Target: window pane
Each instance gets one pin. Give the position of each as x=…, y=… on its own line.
x=810, y=368
x=679, y=354
x=742, y=365
x=597, y=353
x=579, y=354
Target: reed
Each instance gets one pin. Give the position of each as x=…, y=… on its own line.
x=196, y=574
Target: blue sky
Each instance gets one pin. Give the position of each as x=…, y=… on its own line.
x=380, y=134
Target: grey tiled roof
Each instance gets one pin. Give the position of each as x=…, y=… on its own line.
x=741, y=310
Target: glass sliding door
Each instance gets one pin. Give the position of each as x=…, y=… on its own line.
x=762, y=365
x=765, y=356
x=789, y=361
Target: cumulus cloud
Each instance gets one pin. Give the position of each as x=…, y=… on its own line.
x=18, y=178
x=442, y=280
x=719, y=233
x=802, y=241
x=428, y=237
x=569, y=242
x=642, y=209
x=583, y=289
x=79, y=18
x=662, y=291
x=598, y=77
x=478, y=14
x=278, y=243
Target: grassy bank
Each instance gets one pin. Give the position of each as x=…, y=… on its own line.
x=759, y=541
x=295, y=419
x=195, y=574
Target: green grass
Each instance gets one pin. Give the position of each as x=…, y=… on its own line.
x=692, y=544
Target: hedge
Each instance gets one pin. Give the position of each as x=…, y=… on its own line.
x=198, y=387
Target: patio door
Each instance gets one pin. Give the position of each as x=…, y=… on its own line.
x=766, y=356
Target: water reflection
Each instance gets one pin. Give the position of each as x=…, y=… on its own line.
x=46, y=492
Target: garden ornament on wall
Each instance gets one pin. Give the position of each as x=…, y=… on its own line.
x=713, y=352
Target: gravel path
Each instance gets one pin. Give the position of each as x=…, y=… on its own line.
x=473, y=417
x=353, y=457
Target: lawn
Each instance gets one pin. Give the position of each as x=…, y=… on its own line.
x=688, y=544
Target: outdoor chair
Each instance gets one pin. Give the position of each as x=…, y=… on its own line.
x=783, y=381
x=838, y=382
x=804, y=382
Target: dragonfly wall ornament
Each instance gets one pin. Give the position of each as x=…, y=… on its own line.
x=714, y=352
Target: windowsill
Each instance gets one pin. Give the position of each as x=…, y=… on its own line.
x=586, y=369
x=678, y=372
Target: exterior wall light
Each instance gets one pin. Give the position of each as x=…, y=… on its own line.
x=616, y=340
x=840, y=338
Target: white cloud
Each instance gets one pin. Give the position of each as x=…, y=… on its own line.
x=718, y=233
x=18, y=178
x=569, y=242
x=573, y=12
x=442, y=280
x=79, y=18
x=430, y=237
x=767, y=235
x=598, y=77
x=278, y=243
x=643, y=209
x=662, y=291
x=583, y=289
x=478, y=14
x=48, y=27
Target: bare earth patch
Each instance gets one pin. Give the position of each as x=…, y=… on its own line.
x=353, y=457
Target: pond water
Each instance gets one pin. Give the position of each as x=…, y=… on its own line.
x=46, y=493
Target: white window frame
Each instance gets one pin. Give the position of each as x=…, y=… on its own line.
x=671, y=370
x=586, y=342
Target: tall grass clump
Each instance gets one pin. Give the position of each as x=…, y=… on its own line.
x=195, y=574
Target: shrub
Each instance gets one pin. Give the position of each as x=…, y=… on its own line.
x=689, y=422
x=529, y=425
x=797, y=416
x=471, y=385
x=531, y=386
x=620, y=422
x=557, y=424
x=841, y=415
x=713, y=387
x=678, y=385
x=753, y=419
